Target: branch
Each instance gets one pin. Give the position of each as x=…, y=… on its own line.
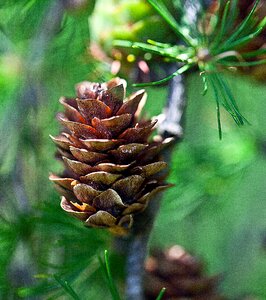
x=137, y=243
x=170, y=122
x=137, y=250
x=170, y=125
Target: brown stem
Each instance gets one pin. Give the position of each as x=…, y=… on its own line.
x=170, y=126
x=137, y=250
x=137, y=243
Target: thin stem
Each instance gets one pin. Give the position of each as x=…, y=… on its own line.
x=138, y=241
x=134, y=267
x=137, y=250
x=170, y=123
x=170, y=126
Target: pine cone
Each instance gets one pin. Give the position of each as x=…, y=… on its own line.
x=181, y=274
x=112, y=170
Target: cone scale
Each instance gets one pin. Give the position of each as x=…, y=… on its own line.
x=112, y=167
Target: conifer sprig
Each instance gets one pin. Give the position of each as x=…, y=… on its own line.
x=213, y=47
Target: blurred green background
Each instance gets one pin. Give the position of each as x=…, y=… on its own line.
x=216, y=210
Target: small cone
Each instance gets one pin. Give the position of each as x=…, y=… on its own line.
x=182, y=276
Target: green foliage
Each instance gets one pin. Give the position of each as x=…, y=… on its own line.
x=216, y=209
x=30, y=213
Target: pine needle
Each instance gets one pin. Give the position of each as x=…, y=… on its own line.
x=229, y=100
x=205, y=83
x=222, y=30
x=243, y=40
x=163, y=11
x=166, y=79
x=106, y=267
x=254, y=53
x=160, y=296
x=66, y=286
x=216, y=96
x=243, y=64
x=241, y=27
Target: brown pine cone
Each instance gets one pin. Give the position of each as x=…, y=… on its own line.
x=112, y=170
x=182, y=276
